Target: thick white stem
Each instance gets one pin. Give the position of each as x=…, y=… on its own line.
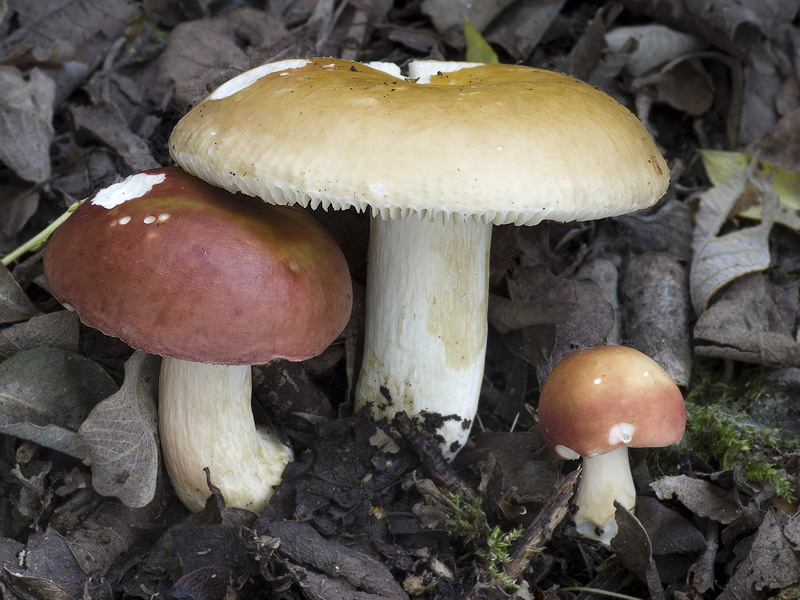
x=605, y=478
x=425, y=335
x=205, y=420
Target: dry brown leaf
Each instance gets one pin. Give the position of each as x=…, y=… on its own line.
x=26, y=112
x=18, y=203
x=55, y=330
x=14, y=304
x=701, y=497
x=720, y=259
x=56, y=31
x=46, y=393
x=448, y=16
x=748, y=324
x=121, y=436
x=771, y=564
x=655, y=45
x=104, y=122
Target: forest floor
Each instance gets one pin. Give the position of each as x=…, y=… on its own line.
x=706, y=283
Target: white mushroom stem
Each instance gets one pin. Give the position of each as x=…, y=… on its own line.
x=205, y=420
x=425, y=335
x=605, y=478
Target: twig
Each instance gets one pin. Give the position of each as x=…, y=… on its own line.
x=539, y=531
x=38, y=241
x=433, y=463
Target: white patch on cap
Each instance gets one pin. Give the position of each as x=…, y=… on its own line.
x=566, y=453
x=598, y=381
x=423, y=70
x=123, y=220
x=149, y=219
x=387, y=67
x=163, y=217
x=130, y=188
x=621, y=433
x=248, y=78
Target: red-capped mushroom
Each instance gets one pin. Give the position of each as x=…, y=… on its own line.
x=213, y=282
x=595, y=404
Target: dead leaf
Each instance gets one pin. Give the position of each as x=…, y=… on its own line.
x=202, y=54
x=18, y=203
x=55, y=330
x=686, y=86
x=121, y=436
x=14, y=304
x=447, y=16
x=48, y=570
x=746, y=323
x=57, y=31
x=667, y=230
x=106, y=124
x=721, y=165
x=720, y=259
x=520, y=28
x=668, y=531
x=26, y=112
x=46, y=393
x=302, y=544
x=701, y=497
x=632, y=545
x=655, y=45
x=771, y=564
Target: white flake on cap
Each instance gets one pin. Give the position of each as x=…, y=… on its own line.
x=130, y=188
x=621, y=433
x=423, y=70
x=248, y=78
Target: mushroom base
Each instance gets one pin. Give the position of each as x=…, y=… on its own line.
x=425, y=333
x=605, y=478
x=205, y=420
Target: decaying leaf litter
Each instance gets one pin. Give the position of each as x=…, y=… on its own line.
x=706, y=284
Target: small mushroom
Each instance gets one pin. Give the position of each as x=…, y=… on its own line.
x=212, y=282
x=595, y=404
x=439, y=157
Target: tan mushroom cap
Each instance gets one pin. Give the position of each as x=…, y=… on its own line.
x=597, y=399
x=496, y=143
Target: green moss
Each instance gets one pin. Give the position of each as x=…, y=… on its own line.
x=737, y=424
x=490, y=546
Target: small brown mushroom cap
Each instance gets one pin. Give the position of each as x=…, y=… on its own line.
x=176, y=267
x=597, y=399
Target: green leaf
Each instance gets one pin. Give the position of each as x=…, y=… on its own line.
x=478, y=49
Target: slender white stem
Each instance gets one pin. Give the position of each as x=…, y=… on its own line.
x=425, y=335
x=605, y=478
x=205, y=420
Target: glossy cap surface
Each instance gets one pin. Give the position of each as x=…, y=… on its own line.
x=597, y=399
x=176, y=267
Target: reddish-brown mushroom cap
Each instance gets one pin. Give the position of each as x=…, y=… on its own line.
x=597, y=399
x=177, y=267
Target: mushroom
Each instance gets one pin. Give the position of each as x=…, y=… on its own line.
x=595, y=404
x=439, y=156
x=213, y=282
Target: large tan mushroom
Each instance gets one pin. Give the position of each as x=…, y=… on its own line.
x=213, y=282
x=595, y=404
x=439, y=156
